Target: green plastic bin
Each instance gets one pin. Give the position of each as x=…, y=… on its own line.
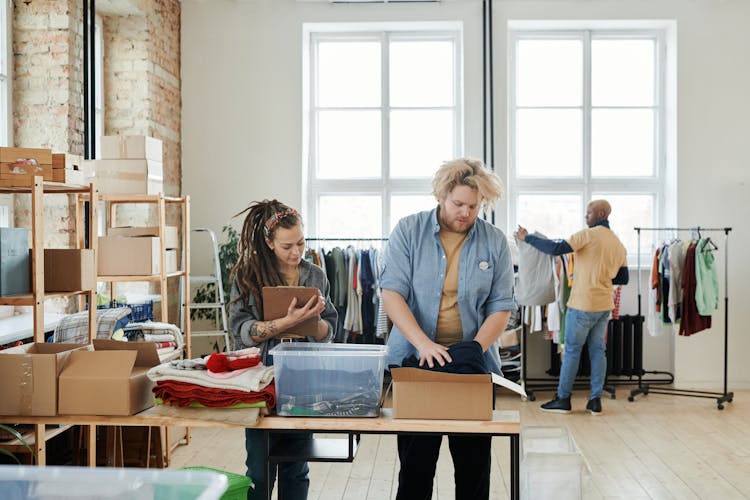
x=237, y=484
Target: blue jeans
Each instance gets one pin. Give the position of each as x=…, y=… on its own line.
x=293, y=476
x=581, y=328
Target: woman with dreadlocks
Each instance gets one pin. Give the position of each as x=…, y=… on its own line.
x=271, y=247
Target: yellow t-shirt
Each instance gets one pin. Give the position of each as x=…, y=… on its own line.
x=599, y=255
x=449, y=330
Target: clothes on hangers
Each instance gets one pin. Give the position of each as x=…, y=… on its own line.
x=535, y=286
x=706, y=278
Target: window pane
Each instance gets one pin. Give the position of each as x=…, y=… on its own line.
x=348, y=74
x=403, y=205
x=622, y=142
x=420, y=142
x=421, y=73
x=553, y=215
x=629, y=211
x=622, y=72
x=549, y=73
x=350, y=216
x=548, y=143
x=348, y=144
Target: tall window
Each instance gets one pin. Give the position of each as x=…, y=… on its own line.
x=586, y=121
x=383, y=111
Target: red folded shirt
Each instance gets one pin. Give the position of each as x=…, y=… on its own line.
x=218, y=363
x=178, y=393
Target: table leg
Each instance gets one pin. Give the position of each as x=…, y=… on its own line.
x=90, y=431
x=40, y=444
x=267, y=446
x=514, y=468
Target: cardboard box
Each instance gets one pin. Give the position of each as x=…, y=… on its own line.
x=12, y=155
x=67, y=176
x=66, y=161
x=171, y=261
x=15, y=261
x=111, y=380
x=128, y=256
x=425, y=394
x=25, y=171
x=69, y=269
x=131, y=147
x=28, y=377
x=129, y=176
x=171, y=238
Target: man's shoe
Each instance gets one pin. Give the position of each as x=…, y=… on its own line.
x=557, y=405
x=594, y=406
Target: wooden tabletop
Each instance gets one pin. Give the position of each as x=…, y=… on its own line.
x=503, y=422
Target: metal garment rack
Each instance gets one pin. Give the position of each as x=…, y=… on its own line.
x=721, y=397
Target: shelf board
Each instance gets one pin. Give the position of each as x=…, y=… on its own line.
x=27, y=299
x=151, y=277
x=14, y=445
x=24, y=186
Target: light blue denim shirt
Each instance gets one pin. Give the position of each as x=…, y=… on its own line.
x=414, y=266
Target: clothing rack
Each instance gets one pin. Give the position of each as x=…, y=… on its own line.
x=721, y=397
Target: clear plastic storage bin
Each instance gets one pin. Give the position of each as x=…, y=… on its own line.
x=19, y=482
x=328, y=380
x=552, y=466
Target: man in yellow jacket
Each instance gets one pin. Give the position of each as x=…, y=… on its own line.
x=600, y=258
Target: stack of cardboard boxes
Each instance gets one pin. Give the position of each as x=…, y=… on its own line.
x=67, y=168
x=128, y=164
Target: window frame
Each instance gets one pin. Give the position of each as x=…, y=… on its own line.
x=314, y=188
x=586, y=184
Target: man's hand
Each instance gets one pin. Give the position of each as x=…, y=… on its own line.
x=431, y=353
x=521, y=233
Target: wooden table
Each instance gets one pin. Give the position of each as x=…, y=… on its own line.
x=503, y=423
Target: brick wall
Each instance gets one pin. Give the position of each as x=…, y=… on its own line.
x=141, y=87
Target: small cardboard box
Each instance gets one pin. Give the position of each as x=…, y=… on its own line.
x=69, y=269
x=39, y=155
x=129, y=256
x=129, y=176
x=111, y=380
x=68, y=176
x=67, y=161
x=170, y=233
x=28, y=377
x=131, y=147
x=171, y=261
x=425, y=394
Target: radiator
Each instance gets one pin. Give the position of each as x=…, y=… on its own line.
x=624, y=349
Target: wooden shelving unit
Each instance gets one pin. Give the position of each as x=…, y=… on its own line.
x=38, y=188
x=161, y=201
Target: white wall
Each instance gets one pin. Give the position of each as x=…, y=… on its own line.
x=242, y=121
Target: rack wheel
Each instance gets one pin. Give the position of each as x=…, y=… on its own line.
x=730, y=400
x=631, y=398
x=720, y=406
x=613, y=396
x=532, y=396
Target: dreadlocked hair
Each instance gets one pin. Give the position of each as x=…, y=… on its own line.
x=257, y=266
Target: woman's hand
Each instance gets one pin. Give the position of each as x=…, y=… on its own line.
x=431, y=353
x=311, y=309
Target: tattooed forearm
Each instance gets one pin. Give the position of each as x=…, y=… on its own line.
x=263, y=329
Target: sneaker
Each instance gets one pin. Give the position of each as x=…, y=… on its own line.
x=594, y=406
x=557, y=405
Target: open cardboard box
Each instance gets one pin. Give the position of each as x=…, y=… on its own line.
x=28, y=377
x=111, y=380
x=426, y=394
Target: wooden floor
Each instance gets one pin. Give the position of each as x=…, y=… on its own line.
x=656, y=447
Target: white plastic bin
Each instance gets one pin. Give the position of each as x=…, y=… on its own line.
x=328, y=380
x=20, y=482
x=552, y=466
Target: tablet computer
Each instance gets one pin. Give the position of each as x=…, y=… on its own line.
x=276, y=300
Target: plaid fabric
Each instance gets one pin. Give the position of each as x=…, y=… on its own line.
x=74, y=328
x=616, y=310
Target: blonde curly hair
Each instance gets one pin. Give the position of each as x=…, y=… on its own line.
x=468, y=172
